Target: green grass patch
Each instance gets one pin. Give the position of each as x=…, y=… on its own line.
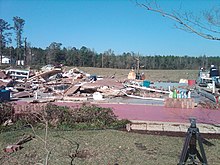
x=99, y=147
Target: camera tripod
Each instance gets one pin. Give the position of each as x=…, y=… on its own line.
x=189, y=150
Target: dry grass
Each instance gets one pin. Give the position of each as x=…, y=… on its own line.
x=152, y=75
x=104, y=147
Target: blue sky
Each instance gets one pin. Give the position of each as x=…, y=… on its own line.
x=119, y=25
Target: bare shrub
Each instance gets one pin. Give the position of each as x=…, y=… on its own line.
x=6, y=112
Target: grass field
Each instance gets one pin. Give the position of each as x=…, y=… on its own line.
x=104, y=147
x=100, y=147
x=152, y=75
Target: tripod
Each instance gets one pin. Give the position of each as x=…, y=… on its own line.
x=189, y=147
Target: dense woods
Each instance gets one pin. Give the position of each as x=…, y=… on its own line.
x=85, y=57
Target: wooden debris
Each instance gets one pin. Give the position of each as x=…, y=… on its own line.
x=148, y=89
x=17, y=146
x=145, y=98
x=2, y=75
x=74, y=98
x=47, y=74
x=70, y=91
x=24, y=139
x=23, y=94
x=12, y=148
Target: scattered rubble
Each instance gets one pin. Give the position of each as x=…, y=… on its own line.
x=12, y=148
x=18, y=145
x=56, y=83
x=2, y=75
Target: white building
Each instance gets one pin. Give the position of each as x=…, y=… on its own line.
x=6, y=60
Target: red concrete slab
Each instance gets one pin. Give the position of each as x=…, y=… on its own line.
x=160, y=113
x=156, y=113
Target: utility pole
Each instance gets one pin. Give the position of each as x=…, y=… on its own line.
x=102, y=59
x=29, y=56
x=10, y=49
x=94, y=57
x=137, y=66
x=25, y=50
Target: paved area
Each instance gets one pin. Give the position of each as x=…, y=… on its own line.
x=141, y=112
x=160, y=118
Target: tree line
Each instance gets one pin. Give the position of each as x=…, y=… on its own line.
x=5, y=37
x=85, y=57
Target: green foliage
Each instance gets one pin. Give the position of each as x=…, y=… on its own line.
x=57, y=115
x=84, y=57
x=5, y=34
x=18, y=27
x=51, y=114
x=94, y=117
x=93, y=114
x=39, y=58
x=65, y=118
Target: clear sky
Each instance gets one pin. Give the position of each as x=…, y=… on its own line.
x=119, y=25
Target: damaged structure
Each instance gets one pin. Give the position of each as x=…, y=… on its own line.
x=53, y=83
x=62, y=85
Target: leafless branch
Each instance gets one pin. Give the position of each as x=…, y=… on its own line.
x=45, y=139
x=184, y=22
x=213, y=16
x=195, y=22
x=74, y=154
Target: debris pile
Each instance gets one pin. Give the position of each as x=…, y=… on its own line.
x=52, y=83
x=57, y=84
